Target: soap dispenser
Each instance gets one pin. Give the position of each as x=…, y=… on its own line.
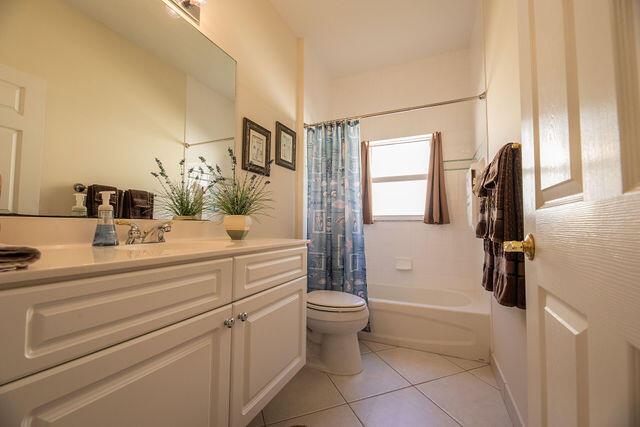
x=106, y=228
x=79, y=209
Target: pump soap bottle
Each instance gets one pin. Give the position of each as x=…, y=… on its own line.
x=106, y=228
x=79, y=209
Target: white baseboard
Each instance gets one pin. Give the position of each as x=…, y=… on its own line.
x=512, y=409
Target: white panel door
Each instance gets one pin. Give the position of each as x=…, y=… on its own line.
x=581, y=169
x=22, y=101
x=269, y=347
x=175, y=376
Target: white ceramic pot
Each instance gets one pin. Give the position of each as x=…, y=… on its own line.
x=237, y=226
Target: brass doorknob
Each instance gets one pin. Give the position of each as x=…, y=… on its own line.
x=528, y=246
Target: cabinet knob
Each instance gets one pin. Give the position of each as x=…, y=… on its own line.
x=229, y=322
x=243, y=316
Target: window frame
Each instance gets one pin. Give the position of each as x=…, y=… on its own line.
x=427, y=138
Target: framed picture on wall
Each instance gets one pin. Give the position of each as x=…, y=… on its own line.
x=256, y=148
x=285, y=147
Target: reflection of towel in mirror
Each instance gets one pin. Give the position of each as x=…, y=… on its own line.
x=500, y=220
x=137, y=204
x=16, y=257
x=94, y=199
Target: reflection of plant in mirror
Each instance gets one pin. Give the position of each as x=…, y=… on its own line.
x=190, y=195
x=248, y=195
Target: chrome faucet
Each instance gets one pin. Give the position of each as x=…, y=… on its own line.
x=154, y=234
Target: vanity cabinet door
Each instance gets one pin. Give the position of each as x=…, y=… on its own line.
x=175, y=376
x=269, y=347
x=46, y=325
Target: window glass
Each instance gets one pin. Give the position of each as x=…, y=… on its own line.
x=399, y=197
x=398, y=172
x=408, y=158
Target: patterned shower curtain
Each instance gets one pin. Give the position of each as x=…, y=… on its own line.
x=334, y=221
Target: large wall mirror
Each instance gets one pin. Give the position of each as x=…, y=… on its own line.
x=92, y=91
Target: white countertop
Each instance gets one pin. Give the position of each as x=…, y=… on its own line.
x=69, y=261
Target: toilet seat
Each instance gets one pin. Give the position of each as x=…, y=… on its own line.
x=335, y=302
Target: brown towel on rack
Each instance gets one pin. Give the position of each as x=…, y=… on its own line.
x=501, y=219
x=138, y=204
x=17, y=257
x=94, y=200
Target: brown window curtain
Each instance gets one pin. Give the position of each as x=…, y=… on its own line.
x=367, y=213
x=436, y=210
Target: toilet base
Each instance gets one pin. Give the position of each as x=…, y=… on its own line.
x=335, y=354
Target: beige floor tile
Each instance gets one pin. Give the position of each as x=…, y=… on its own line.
x=340, y=416
x=257, y=421
x=377, y=346
x=406, y=407
x=377, y=377
x=418, y=366
x=363, y=348
x=309, y=391
x=465, y=363
x=471, y=401
x=486, y=374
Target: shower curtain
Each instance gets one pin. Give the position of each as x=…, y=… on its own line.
x=334, y=209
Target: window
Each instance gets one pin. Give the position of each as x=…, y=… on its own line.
x=399, y=177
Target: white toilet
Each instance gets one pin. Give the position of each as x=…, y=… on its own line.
x=334, y=319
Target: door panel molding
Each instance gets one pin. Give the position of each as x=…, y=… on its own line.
x=626, y=43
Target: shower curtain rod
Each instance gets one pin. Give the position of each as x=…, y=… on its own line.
x=483, y=95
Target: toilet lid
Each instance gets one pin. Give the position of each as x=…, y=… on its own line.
x=334, y=301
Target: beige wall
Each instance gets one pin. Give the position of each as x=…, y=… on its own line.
x=503, y=110
x=75, y=57
x=317, y=88
x=266, y=81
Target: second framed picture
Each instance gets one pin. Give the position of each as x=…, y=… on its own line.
x=256, y=148
x=285, y=146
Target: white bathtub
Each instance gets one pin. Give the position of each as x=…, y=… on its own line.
x=455, y=323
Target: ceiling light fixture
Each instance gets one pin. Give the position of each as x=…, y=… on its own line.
x=198, y=3
x=190, y=7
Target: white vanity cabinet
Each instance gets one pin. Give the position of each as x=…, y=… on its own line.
x=167, y=346
x=176, y=376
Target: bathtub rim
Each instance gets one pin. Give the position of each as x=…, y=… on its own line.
x=480, y=302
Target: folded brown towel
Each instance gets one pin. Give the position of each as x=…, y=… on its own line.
x=94, y=200
x=16, y=257
x=500, y=220
x=137, y=204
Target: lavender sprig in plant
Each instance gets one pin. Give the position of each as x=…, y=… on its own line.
x=189, y=195
x=248, y=195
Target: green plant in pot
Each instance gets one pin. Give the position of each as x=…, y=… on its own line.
x=187, y=197
x=239, y=198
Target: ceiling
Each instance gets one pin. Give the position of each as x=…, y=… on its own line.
x=352, y=36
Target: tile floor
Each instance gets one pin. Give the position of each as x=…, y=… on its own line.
x=398, y=387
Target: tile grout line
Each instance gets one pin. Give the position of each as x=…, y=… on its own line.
x=481, y=379
x=434, y=379
x=318, y=410
x=379, y=394
x=441, y=408
x=350, y=408
x=415, y=386
x=427, y=397
x=423, y=382
x=305, y=414
x=464, y=370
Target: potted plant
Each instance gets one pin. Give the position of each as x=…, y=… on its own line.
x=239, y=198
x=189, y=196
